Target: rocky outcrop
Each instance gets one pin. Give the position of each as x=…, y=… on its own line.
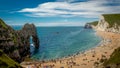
x=16, y=44
x=91, y=25
x=29, y=30
x=109, y=26
x=88, y=26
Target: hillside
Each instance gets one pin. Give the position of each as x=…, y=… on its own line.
x=6, y=62
x=112, y=19
x=109, y=23
x=114, y=60
x=16, y=44
x=91, y=24
x=94, y=23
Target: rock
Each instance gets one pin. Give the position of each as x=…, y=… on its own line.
x=29, y=30
x=91, y=25
x=87, y=26
x=106, y=25
x=16, y=44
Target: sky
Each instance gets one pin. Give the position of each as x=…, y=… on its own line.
x=56, y=12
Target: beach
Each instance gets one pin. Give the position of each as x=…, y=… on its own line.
x=88, y=59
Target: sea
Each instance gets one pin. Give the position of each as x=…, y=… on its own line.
x=59, y=42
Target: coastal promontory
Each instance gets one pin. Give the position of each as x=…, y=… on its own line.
x=109, y=23
x=16, y=44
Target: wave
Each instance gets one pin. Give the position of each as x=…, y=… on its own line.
x=32, y=45
x=76, y=32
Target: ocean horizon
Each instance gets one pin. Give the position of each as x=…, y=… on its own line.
x=59, y=42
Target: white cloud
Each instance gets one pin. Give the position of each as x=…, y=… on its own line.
x=59, y=24
x=66, y=0
x=90, y=8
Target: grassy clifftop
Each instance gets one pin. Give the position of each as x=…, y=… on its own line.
x=93, y=23
x=112, y=19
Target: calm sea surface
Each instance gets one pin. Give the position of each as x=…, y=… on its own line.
x=58, y=42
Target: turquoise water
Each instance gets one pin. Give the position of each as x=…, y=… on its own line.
x=58, y=42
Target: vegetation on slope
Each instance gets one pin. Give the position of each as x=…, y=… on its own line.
x=8, y=29
x=114, y=58
x=94, y=23
x=112, y=19
x=2, y=23
x=6, y=62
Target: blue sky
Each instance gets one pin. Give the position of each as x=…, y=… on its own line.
x=55, y=12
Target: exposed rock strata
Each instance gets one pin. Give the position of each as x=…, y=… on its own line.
x=16, y=44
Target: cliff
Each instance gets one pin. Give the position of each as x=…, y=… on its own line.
x=88, y=26
x=109, y=23
x=16, y=44
x=91, y=25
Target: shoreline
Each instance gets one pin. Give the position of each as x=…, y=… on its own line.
x=82, y=59
x=77, y=53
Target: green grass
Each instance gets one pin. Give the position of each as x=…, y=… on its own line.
x=6, y=62
x=94, y=23
x=13, y=35
x=114, y=58
x=2, y=23
x=112, y=19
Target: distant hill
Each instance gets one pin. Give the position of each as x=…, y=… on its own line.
x=91, y=24
x=95, y=23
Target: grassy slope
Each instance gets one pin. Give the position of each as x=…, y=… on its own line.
x=6, y=62
x=94, y=23
x=112, y=19
x=115, y=58
x=2, y=23
x=5, y=26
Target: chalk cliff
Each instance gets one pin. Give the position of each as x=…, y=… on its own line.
x=91, y=25
x=109, y=23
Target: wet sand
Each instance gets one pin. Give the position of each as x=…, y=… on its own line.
x=87, y=59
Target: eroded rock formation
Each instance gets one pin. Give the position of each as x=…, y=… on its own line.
x=29, y=30
x=88, y=26
x=16, y=44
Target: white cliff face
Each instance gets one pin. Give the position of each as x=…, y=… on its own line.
x=104, y=26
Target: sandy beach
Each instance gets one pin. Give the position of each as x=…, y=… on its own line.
x=87, y=59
